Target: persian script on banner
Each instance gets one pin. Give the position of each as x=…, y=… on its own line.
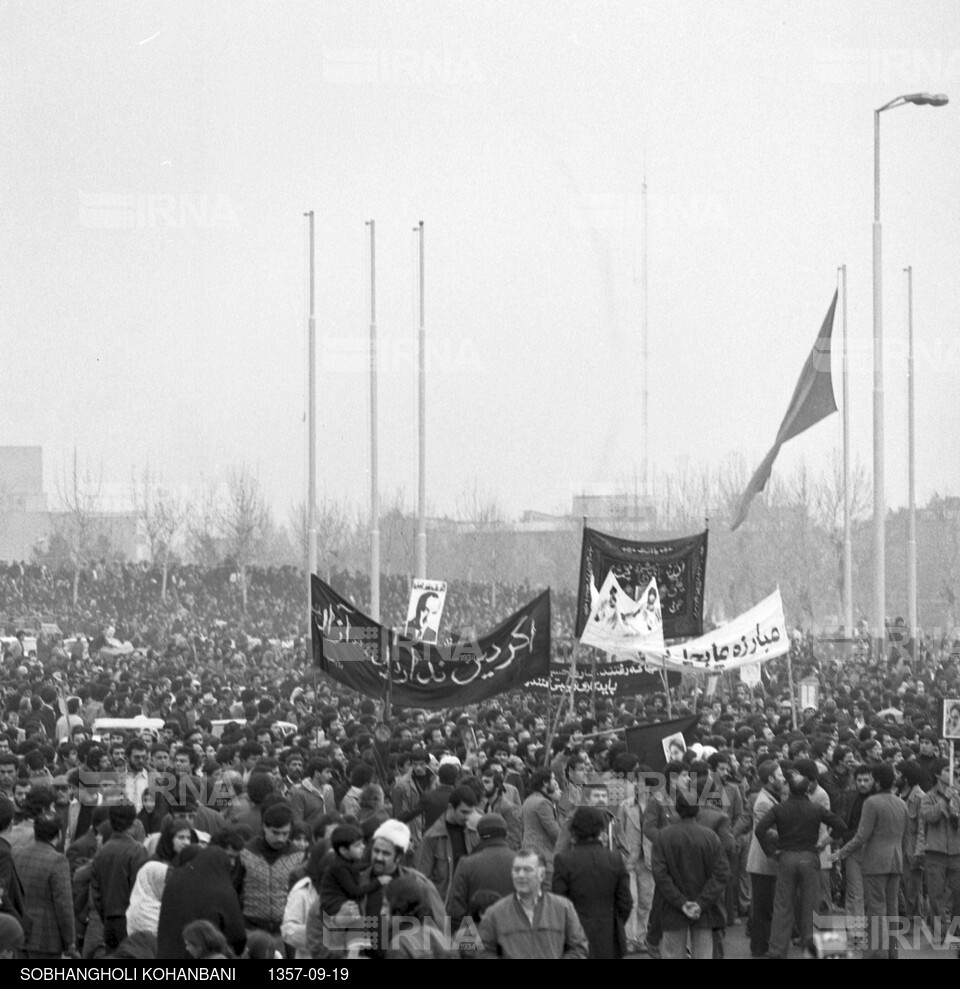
x=753, y=637
x=354, y=650
x=621, y=626
x=627, y=679
x=678, y=566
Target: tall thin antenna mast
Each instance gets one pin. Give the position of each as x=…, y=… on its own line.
x=644, y=329
x=374, y=439
x=311, y=430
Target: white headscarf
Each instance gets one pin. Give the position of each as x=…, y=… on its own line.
x=143, y=914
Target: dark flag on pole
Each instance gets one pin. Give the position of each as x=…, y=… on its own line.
x=812, y=401
x=646, y=741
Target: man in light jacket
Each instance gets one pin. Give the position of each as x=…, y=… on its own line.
x=762, y=869
x=940, y=812
x=541, y=827
x=449, y=839
x=912, y=796
x=533, y=922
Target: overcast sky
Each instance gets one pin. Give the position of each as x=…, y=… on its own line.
x=159, y=157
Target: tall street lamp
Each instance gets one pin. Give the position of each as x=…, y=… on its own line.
x=879, y=496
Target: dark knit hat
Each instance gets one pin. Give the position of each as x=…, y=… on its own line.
x=492, y=826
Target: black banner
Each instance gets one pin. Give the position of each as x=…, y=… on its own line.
x=646, y=741
x=678, y=565
x=612, y=679
x=354, y=650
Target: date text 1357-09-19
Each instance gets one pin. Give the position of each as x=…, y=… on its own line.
x=296, y=973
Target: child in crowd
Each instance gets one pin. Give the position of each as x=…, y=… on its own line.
x=341, y=878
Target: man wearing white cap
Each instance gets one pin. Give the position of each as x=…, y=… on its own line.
x=390, y=843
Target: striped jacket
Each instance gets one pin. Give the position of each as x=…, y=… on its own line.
x=266, y=882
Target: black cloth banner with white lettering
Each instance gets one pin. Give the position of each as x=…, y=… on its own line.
x=612, y=680
x=678, y=565
x=354, y=650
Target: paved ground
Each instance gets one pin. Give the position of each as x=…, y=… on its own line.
x=737, y=945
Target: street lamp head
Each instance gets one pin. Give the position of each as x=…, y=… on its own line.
x=927, y=99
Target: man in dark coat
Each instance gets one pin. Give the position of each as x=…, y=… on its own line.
x=691, y=871
x=882, y=837
x=13, y=903
x=595, y=880
x=488, y=866
x=46, y=887
x=114, y=872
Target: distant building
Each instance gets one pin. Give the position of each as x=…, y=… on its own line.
x=21, y=479
x=631, y=509
x=27, y=524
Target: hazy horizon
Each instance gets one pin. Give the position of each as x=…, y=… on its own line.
x=160, y=160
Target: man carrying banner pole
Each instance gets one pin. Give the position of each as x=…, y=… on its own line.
x=666, y=688
x=793, y=699
x=563, y=698
x=388, y=695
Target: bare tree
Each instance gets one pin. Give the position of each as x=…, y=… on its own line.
x=163, y=515
x=688, y=493
x=79, y=497
x=488, y=534
x=243, y=520
x=828, y=508
x=398, y=527
x=201, y=520
x=333, y=533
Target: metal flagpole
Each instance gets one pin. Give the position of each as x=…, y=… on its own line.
x=374, y=443
x=311, y=431
x=593, y=686
x=388, y=697
x=847, y=538
x=422, y=418
x=912, y=477
x=879, y=630
x=793, y=701
x=563, y=699
x=666, y=687
x=645, y=343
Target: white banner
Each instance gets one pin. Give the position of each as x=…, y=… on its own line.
x=622, y=626
x=425, y=609
x=753, y=637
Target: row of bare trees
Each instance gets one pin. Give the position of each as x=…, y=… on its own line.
x=231, y=521
x=793, y=537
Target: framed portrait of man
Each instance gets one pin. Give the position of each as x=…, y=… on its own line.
x=951, y=718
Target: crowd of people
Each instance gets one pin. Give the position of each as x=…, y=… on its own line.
x=178, y=781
